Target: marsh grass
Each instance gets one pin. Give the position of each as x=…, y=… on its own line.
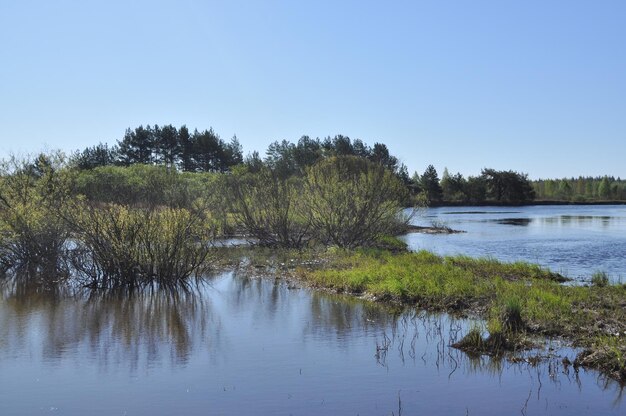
x=514, y=298
x=607, y=353
x=512, y=314
x=473, y=342
x=600, y=279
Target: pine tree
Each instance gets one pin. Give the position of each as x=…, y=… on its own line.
x=167, y=145
x=187, y=148
x=430, y=184
x=137, y=146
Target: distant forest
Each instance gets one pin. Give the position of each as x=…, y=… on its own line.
x=581, y=189
x=204, y=151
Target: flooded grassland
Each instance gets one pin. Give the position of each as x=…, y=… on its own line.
x=256, y=339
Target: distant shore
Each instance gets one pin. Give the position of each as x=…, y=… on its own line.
x=537, y=202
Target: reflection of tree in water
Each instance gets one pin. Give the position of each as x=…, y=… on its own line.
x=343, y=316
x=110, y=327
x=581, y=220
x=267, y=296
x=121, y=330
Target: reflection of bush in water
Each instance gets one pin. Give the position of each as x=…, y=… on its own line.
x=135, y=326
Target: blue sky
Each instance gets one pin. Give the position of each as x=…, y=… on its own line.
x=534, y=86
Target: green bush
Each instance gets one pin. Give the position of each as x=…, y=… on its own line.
x=32, y=236
x=142, y=185
x=352, y=201
x=118, y=246
x=268, y=207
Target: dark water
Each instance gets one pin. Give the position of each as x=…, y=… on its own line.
x=573, y=240
x=242, y=346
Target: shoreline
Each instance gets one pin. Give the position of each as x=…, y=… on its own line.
x=529, y=204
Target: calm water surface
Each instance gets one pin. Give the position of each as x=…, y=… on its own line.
x=573, y=240
x=242, y=346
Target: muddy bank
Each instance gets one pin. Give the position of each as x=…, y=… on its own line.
x=431, y=230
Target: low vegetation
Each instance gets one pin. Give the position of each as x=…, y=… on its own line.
x=116, y=246
x=116, y=226
x=516, y=299
x=600, y=279
x=51, y=232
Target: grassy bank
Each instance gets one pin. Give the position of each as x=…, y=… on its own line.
x=515, y=299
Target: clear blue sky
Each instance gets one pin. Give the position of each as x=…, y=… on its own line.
x=534, y=86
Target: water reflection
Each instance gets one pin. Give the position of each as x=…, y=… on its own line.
x=515, y=221
x=581, y=220
x=248, y=345
x=341, y=317
x=561, y=220
x=545, y=369
x=107, y=327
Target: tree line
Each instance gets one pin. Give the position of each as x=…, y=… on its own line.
x=581, y=189
x=205, y=151
x=510, y=187
x=491, y=186
x=199, y=151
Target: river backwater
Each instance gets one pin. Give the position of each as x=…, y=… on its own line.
x=238, y=345
x=574, y=240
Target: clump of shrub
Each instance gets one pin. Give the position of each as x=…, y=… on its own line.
x=118, y=246
x=32, y=237
x=268, y=207
x=140, y=185
x=352, y=201
x=345, y=201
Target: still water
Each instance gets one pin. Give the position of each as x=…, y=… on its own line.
x=259, y=346
x=573, y=240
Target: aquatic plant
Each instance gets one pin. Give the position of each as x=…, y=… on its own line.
x=512, y=314
x=472, y=342
x=607, y=354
